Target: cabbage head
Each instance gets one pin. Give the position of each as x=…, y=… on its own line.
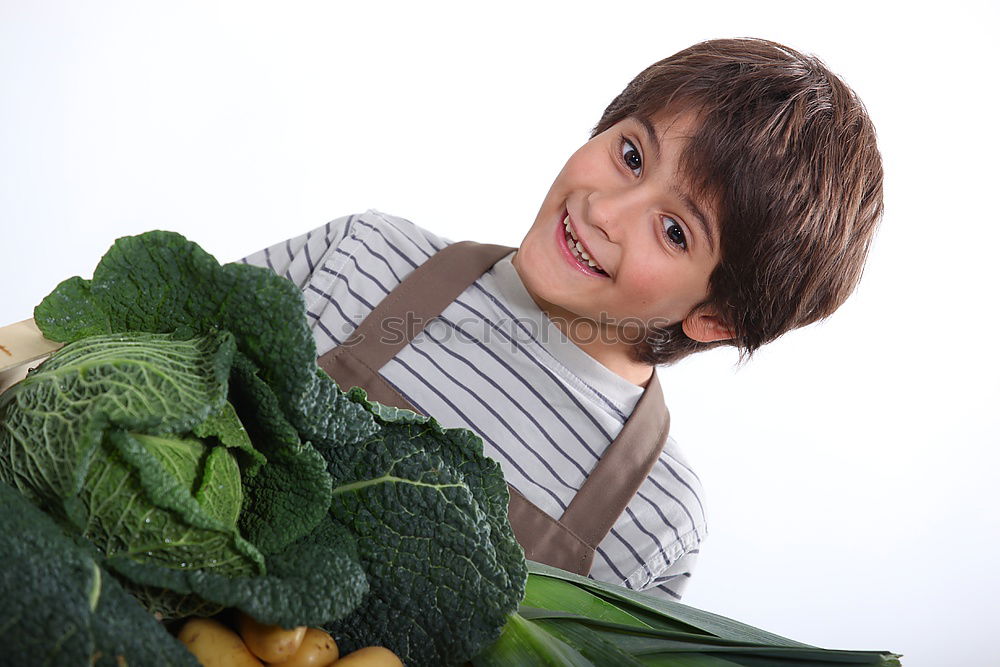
x=129, y=441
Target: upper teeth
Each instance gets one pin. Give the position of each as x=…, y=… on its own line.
x=577, y=247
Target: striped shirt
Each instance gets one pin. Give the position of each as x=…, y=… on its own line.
x=494, y=363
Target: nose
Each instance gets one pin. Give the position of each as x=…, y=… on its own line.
x=612, y=211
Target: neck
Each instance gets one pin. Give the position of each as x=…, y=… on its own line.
x=613, y=356
x=600, y=341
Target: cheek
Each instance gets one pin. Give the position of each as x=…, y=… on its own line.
x=587, y=167
x=658, y=294
x=646, y=290
x=584, y=166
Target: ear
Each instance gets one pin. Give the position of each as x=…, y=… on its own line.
x=705, y=326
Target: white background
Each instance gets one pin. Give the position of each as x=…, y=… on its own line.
x=851, y=467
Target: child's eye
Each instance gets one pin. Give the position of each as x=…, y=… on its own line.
x=674, y=233
x=630, y=156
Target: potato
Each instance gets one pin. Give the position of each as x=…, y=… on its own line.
x=215, y=645
x=317, y=650
x=270, y=643
x=370, y=656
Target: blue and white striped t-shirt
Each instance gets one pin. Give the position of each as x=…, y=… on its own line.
x=494, y=363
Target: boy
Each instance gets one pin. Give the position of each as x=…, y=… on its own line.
x=728, y=195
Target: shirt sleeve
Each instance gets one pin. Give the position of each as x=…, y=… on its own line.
x=670, y=583
x=297, y=258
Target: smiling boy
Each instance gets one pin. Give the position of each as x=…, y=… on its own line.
x=728, y=195
x=623, y=198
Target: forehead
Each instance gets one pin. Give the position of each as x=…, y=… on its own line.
x=665, y=127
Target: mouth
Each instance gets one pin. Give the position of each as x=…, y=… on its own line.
x=576, y=252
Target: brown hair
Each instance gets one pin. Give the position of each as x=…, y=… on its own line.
x=786, y=152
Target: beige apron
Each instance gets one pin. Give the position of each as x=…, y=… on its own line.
x=568, y=542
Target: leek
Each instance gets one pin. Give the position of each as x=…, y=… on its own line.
x=566, y=619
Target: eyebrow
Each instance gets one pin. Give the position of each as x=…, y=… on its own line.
x=650, y=133
x=685, y=198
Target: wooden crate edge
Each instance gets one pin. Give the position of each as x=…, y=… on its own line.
x=22, y=347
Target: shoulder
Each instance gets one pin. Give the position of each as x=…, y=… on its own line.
x=398, y=234
x=370, y=226
x=382, y=248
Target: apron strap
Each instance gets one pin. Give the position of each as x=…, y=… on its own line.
x=404, y=313
x=621, y=470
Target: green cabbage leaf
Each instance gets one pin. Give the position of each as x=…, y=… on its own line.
x=429, y=512
x=72, y=612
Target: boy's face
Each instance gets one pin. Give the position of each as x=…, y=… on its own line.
x=630, y=208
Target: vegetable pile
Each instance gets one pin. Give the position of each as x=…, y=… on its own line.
x=184, y=455
x=184, y=451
